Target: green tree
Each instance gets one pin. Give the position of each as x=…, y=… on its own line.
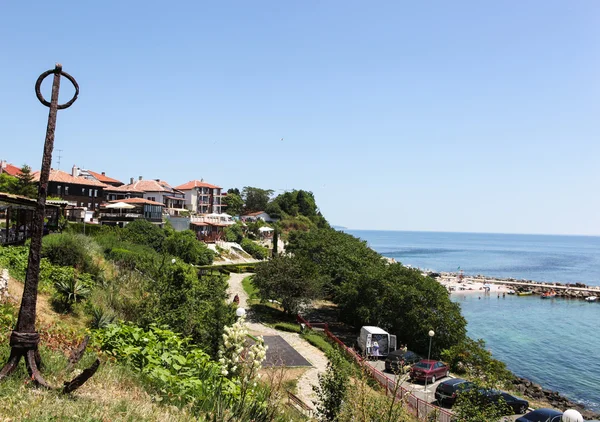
x=412, y=305
x=234, y=203
x=234, y=233
x=369, y=291
x=474, y=406
x=332, y=389
x=8, y=183
x=292, y=280
x=184, y=245
x=255, y=199
x=471, y=358
x=189, y=305
x=144, y=232
x=25, y=185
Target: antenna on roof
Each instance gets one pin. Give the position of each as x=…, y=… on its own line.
x=59, y=157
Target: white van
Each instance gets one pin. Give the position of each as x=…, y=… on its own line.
x=386, y=343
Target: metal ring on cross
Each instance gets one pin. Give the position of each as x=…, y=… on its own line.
x=43, y=76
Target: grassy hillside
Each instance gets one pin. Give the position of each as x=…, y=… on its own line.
x=115, y=393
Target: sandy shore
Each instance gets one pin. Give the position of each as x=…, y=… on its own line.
x=471, y=285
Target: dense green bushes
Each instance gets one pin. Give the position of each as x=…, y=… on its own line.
x=72, y=250
x=254, y=249
x=14, y=258
x=184, y=375
x=185, y=246
x=369, y=291
x=234, y=233
x=471, y=358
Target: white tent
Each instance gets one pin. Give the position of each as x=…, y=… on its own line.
x=120, y=206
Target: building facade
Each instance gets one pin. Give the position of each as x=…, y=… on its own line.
x=78, y=191
x=155, y=190
x=202, y=197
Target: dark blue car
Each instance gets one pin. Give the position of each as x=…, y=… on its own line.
x=541, y=415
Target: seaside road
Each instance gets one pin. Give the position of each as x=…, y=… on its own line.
x=419, y=389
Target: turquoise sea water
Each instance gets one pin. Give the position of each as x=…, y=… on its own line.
x=553, y=342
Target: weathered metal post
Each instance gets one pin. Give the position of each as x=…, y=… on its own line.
x=24, y=339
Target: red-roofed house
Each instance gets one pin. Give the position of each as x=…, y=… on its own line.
x=202, y=197
x=100, y=177
x=77, y=190
x=9, y=169
x=159, y=191
x=255, y=216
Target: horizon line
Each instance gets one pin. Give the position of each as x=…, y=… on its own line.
x=463, y=232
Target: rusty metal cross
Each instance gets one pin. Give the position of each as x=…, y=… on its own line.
x=24, y=339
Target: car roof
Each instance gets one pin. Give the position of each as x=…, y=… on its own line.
x=454, y=381
x=540, y=415
x=374, y=330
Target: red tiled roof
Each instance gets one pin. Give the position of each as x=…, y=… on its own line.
x=64, y=177
x=123, y=188
x=151, y=186
x=252, y=214
x=196, y=184
x=11, y=170
x=103, y=178
x=137, y=201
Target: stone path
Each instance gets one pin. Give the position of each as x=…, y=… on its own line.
x=315, y=356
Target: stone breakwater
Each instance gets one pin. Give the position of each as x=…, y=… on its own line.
x=564, y=290
x=536, y=391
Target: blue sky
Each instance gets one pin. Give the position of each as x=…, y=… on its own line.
x=452, y=116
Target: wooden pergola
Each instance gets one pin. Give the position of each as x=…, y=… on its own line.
x=16, y=214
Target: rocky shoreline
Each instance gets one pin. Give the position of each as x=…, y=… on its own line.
x=554, y=399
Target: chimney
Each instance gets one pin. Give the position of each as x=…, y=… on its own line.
x=131, y=180
x=103, y=173
x=158, y=180
x=74, y=171
x=140, y=178
x=3, y=164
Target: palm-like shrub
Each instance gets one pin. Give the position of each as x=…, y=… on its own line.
x=69, y=291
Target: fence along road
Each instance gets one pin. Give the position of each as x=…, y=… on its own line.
x=415, y=404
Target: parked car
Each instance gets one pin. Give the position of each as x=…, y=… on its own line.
x=517, y=405
x=447, y=392
x=398, y=359
x=429, y=370
x=541, y=415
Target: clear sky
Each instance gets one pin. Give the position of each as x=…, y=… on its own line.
x=440, y=115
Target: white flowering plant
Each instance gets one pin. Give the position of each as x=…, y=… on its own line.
x=240, y=362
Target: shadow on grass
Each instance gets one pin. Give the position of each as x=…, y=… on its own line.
x=268, y=313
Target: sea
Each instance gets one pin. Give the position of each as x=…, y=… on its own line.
x=553, y=342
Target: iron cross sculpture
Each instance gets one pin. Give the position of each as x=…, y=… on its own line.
x=24, y=339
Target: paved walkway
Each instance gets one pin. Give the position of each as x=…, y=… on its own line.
x=315, y=356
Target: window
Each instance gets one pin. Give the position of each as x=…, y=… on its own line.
x=82, y=191
x=66, y=190
x=58, y=190
x=96, y=193
x=89, y=205
x=91, y=192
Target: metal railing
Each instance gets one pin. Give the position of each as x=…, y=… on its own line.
x=418, y=407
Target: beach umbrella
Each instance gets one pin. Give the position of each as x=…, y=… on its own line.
x=120, y=206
